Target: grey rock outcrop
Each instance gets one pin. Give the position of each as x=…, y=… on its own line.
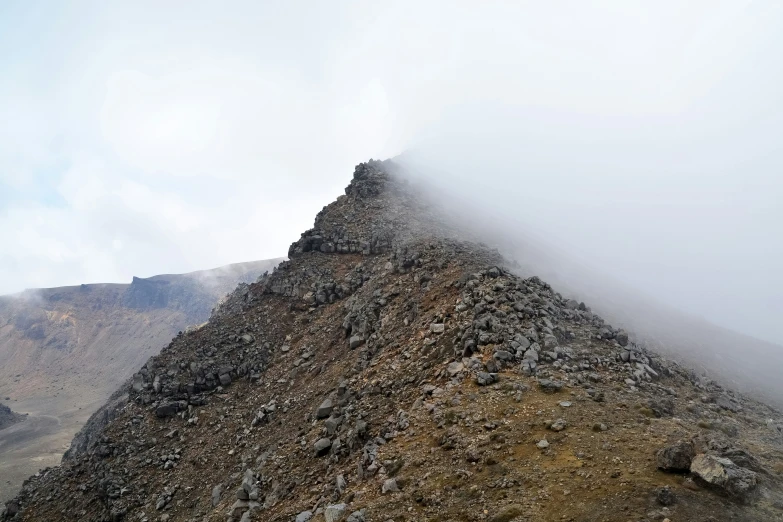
x=723, y=474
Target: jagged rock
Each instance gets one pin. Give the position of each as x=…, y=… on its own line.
x=331, y=424
x=355, y=342
x=728, y=404
x=361, y=428
x=725, y=475
x=676, y=457
x=249, y=489
x=550, y=386
x=357, y=516
x=239, y=507
x=662, y=407
x=622, y=338
x=325, y=409
x=336, y=445
x=304, y=516
x=520, y=343
x=390, y=486
x=437, y=328
x=455, y=368
x=558, y=425
x=167, y=410
x=322, y=447
x=485, y=378
x=666, y=496
x=503, y=355
x=340, y=484
x=334, y=512
x=217, y=491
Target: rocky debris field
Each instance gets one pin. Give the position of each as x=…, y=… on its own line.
x=8, y=417
x=392, y=372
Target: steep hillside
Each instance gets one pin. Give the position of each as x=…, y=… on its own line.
x=749, y=364
x=392, y=370
x=65, y=350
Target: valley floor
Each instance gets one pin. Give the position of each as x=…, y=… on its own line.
x=37, y=442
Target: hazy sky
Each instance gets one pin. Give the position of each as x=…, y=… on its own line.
x=139, y=138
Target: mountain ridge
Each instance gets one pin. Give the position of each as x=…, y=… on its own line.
x=65, y=350
x=393, y=370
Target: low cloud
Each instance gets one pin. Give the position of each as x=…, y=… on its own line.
x=640, y=140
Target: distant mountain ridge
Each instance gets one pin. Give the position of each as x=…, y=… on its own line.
x=65, y=350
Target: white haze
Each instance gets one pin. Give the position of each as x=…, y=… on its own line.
x=638, y=140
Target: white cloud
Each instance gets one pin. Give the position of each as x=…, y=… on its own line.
x=136, y=140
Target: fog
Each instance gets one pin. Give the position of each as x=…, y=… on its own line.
x=626, y=149
x=668, y=226
x=690, y=224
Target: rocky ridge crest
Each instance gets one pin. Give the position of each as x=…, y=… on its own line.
x=391, y=370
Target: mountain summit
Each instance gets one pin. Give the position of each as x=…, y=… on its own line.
x=392, y=369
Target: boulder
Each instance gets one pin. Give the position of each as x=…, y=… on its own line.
x=503, y=355
x=550, y=385
x=666, y=496
x=530, y=355
x=325, y=409
x=239, y=507
x=728, y=404
x=676, y=457
x=485, y=378
x=390, y=486
x=304, y=516
x=454, y=368
x=357, y=516
x=167, y=410
x=723, y=474
x=331, y=424
x=523, y=343
x=334, y=512
x=340, y=484
x=558, y=425
x=217, y=491
x=322, y=447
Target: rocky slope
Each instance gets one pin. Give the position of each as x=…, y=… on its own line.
x=64, y=351
x=392, y=370
x=8, y=417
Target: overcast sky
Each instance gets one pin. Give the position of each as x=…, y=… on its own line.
x=643, y=138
